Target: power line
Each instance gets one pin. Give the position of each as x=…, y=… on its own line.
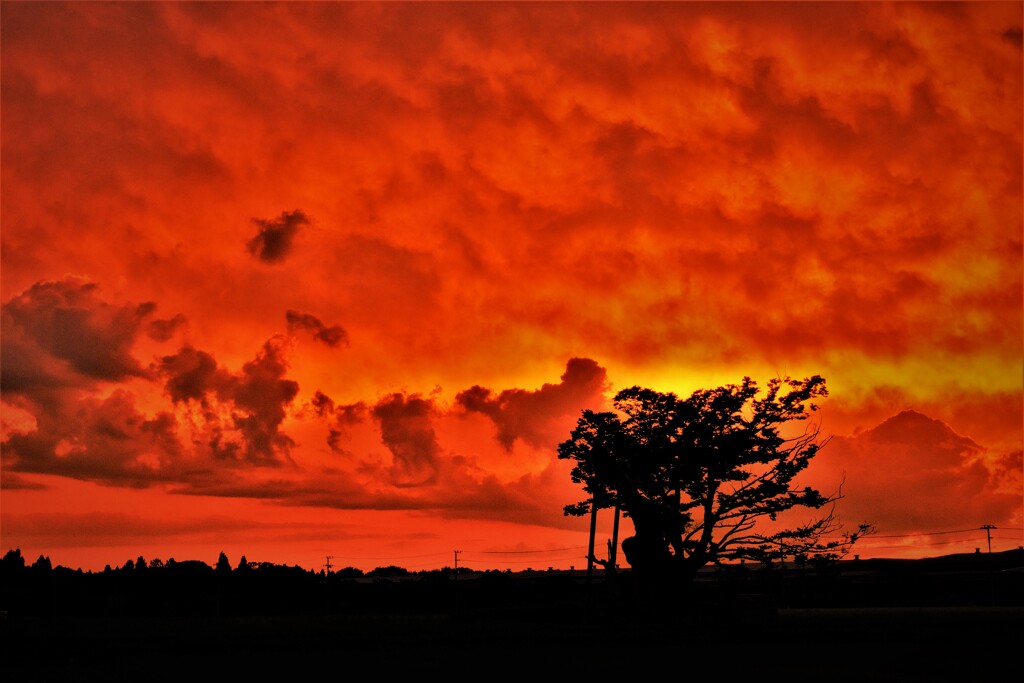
x=908, y=547
x=515, y=552
x=393, y=557
x=924, y=533
x=549, y=559
x=866, y=541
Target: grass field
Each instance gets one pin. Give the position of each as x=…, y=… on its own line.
x=849, y=644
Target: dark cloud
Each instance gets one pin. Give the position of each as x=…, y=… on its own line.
x=97, y=439
x=332, y=336
x=83, y=434
x=322, y=404
x=257, y=398
x=456, y=495
x=1014, y=35
x=163, y=330
x=12, y=481
x=61, y=342
x=274, y=238
x=407, y=430
x=539, y=417
x=263, y=393
x=61, y=333
x=340, y=418
x=190, y=374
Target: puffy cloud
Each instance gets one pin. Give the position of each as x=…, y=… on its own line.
x=82, y=433
x=64, y=345
x=539, y=417
x=262, y=392
x=274, y=238
x=322, y=404
x=61, y=333
x=333, y=335
x=106, y=440
x=993, y=418
x=407, y=431
x=340, y=417
x=190, y=374
x=256, y=398
x=913, y=473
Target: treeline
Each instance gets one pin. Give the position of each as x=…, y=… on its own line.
x=192, y=587
x=13, y=561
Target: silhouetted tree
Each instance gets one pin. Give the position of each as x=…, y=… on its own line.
x=223, y=565
x=348, y=573
x=388, y=571
x=702, y=477
x=13, y=560
x=42, y=564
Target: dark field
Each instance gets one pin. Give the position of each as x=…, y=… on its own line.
x=848, y=644
x=883, y=622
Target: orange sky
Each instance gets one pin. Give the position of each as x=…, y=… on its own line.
x=310, y=279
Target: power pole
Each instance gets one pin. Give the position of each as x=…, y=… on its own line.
x=988, y=532
x=455, y=590
x=328, y=563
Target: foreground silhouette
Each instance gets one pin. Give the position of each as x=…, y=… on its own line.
x=723, y=592
x=705, y=478
x=878, y=620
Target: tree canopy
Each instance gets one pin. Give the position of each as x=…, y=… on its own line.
x=707, y=477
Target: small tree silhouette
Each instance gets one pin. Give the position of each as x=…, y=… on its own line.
x=13, y=560
x=702, y=477
x=223, y=565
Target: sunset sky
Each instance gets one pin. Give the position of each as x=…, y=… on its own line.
x=319, y=279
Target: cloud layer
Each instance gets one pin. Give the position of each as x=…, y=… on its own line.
x=486, y=217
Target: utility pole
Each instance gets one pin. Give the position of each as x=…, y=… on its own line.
x=456, y=588
x=988, y=532
x=328, y=563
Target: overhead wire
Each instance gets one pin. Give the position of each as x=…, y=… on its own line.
x=472, y=556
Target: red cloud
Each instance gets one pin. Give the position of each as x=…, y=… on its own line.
x=257, y=398
x=913, y=473
x=273, y=242
x=61, y=333
x=538, y=417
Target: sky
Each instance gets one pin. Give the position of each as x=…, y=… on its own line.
x=325, y=282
